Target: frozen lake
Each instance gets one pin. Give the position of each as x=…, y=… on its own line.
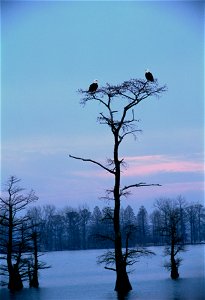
x=76, y=276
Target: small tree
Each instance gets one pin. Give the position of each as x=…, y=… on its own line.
x=32, y=261
x=170, y=230
x=15, y=240
x=118, y=103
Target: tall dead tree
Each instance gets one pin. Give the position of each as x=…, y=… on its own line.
x=118, y=103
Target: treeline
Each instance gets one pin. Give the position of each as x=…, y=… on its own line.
x=78, y=229
x=27, y=231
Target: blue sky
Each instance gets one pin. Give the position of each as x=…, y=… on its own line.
x=50, y=49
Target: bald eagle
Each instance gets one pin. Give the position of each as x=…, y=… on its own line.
x=149, y=75
x=93, y=87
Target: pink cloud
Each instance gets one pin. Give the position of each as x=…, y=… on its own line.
x=150, y=164
x=146, y=165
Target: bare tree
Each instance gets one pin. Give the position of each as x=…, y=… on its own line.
x=15, y=240
x=32, y=262
x=170, y=229
x=118, y=103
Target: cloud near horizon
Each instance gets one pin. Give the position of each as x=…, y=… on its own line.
x=179, y=175
x=146, y=165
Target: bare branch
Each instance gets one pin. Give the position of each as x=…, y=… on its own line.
x=139, y=185
x=133, y=90
x=108, y=258
x=108, y=268
x=94, y=162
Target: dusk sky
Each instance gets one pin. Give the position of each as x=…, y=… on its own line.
x=51, y=49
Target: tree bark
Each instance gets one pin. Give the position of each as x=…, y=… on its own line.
x=174, y=268
x=15, y=282
x=122, y=280
x=34, y=280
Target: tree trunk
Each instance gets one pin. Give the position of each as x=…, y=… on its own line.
x=15, y=282
x=122, y=285
x=174, y=268
x=122, y=281
x=34, y=281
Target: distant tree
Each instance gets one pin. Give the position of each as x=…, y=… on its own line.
x=107, y=233
x=101, y=228
x=129, y=228
x=156, y=217
x=72, y=221
x=196, y=219
x=47, y=227
x=95, y=228
x=96, y=216
x=129, y=216
x=200, y=221
x=58, y=222
x=142, y=225
x=170, y=222
x=69, y=228
x=118, y=103
x=33, y=263
x=85, y=215
x=16, y=232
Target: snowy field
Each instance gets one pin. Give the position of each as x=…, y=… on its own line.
x=76, y=276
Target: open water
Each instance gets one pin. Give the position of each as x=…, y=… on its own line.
x=75, y=275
